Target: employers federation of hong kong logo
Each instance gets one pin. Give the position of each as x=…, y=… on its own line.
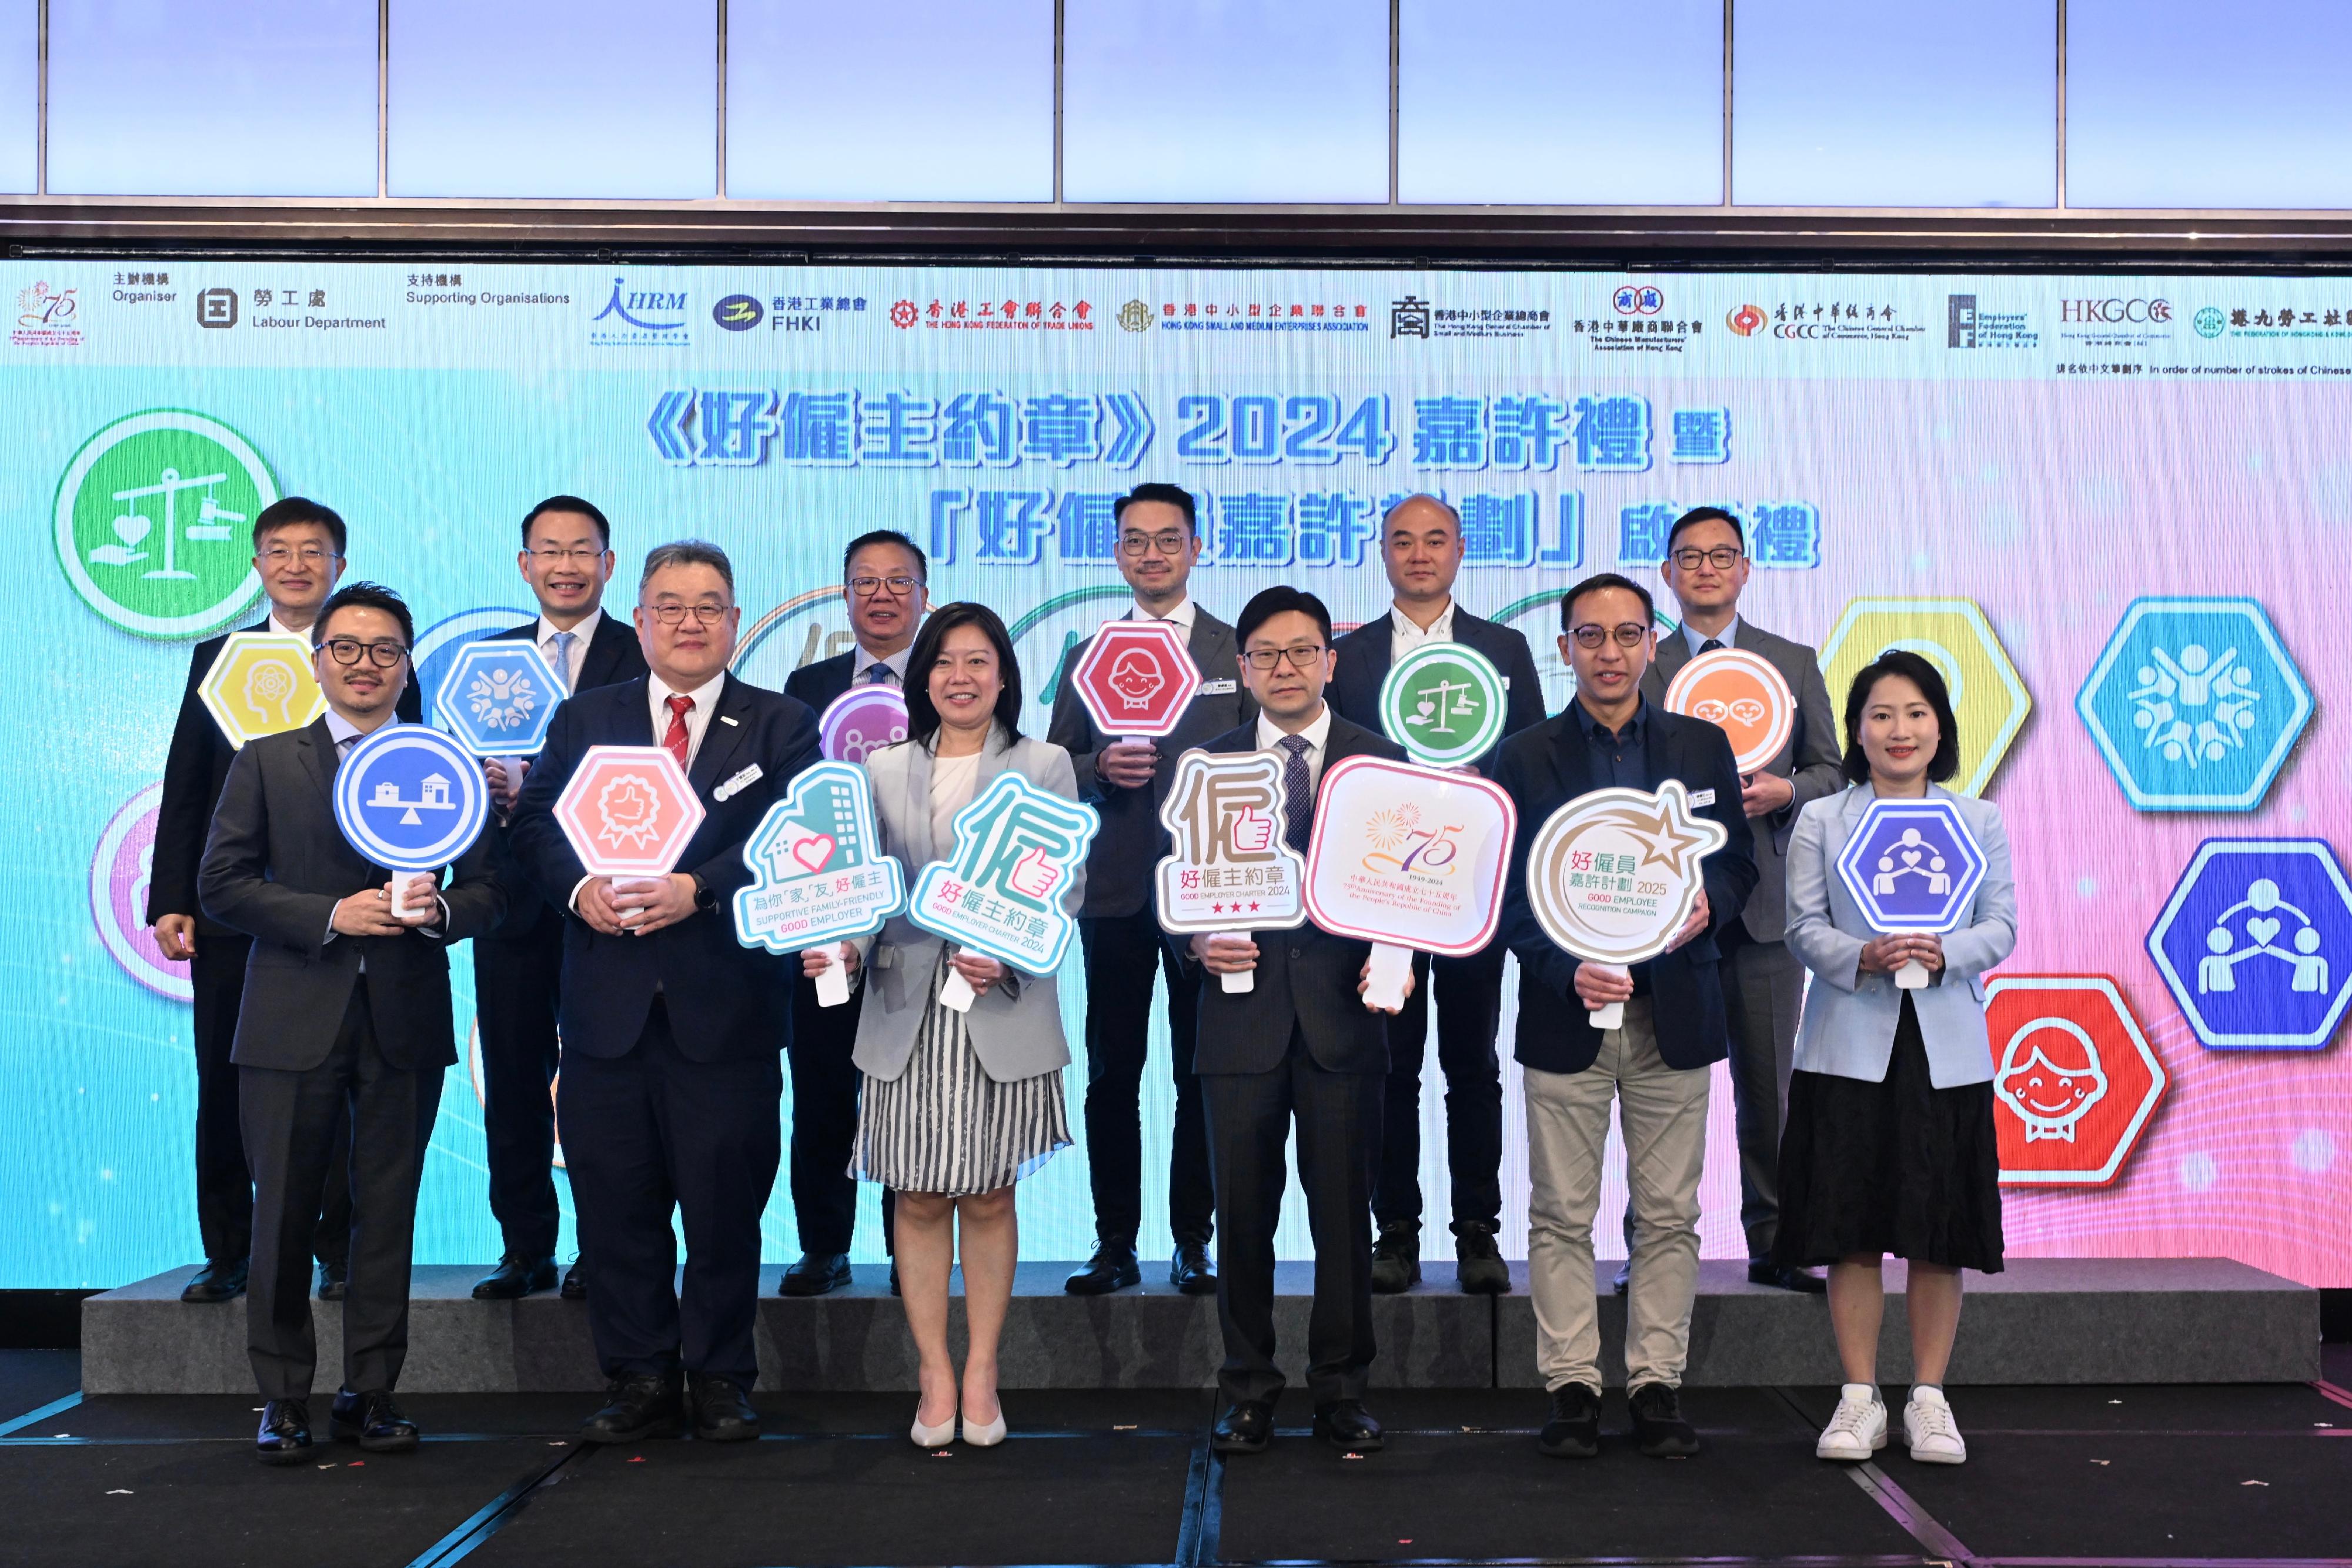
x=1135, y=315
x=153, y=522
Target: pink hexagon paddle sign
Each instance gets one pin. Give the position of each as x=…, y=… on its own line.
x=629, y=811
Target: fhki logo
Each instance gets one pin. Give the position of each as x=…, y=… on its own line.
x=637, y=318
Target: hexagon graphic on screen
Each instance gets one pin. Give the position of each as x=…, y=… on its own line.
x=2255, y=944
x=153, y=521
x=2195, y=703
x=1989, y=701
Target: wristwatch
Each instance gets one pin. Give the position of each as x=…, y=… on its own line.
x=703, y=897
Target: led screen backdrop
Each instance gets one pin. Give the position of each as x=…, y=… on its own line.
x=2113, y=509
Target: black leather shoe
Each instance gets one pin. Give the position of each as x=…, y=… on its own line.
x=518, y=1275
x=637, y=1405
x=721, y=1413
x=1573, y=1431
x=334, y=1281
x=1244, y=1429
x=1396, y=1259
x=1112, y=1268
x=1190, y=1271
x=215, y=1283
x=815, y=1274
x=1478, y=1266
x=1802, y=1280
x=374, y=1420
x=285, y=1435
x=1624, y=1279
x=1350, y=1428
x=1659, y=1429
x=575, y=1284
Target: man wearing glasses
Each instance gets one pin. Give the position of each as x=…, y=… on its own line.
x=298, y=551
x=567, y=560
x=1158, y=541
x=1655, y=1067
x=345, y=1020
x=883, y=576
x=1706, y=568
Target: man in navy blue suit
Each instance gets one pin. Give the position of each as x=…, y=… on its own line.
x=1421, y=548
x=672, y=1029
x=567, y=560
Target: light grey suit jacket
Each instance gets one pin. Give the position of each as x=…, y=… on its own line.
x=1016, y=1028
x=1809, y=762
x=1850, y=1016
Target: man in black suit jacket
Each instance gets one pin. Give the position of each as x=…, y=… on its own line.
x=1300, y=1043
x=671, y=1026
x=567, y=559
x=882, y=575
x=1655, y=1066
x=297, y=550
x=1421, y=548
x=345, y=1020
x=1159, y=541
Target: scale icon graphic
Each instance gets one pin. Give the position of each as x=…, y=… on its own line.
x=132, y=526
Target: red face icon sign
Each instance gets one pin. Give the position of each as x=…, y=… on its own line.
x=1136, y=678
x=2074, y=1080
x=629, y=811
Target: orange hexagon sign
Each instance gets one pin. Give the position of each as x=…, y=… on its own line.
x=2074, y=1080
x=629, y=811
x=261, y=685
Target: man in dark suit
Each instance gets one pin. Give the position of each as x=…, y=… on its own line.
x=567, y=560
x=671, y=1027
x=297, y=550
x=1763, y=982
x=345, y=1020
x=1301, y=1044
x=1159, y=541
x=1421, y=548
x=882, y=586
x=1655, y=1067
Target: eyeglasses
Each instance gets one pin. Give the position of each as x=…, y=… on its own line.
x=1301, y=658
x=1723, y=558
x=1628, y=635
x=896, y=587
x=346, y=650
x=565, y=557
x=1132, y=544
x=309, y=555
x=675, y=614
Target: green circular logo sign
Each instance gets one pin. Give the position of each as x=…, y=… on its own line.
x=2209, y=322
x=1444, y=704
x=154, y=522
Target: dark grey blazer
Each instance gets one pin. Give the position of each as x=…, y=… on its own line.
x=275, y=867
x=1810, y=761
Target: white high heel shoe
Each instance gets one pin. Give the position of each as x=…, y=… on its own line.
x=986, y=1437
x=937, y=1437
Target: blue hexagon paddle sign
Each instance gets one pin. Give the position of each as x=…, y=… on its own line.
x=1912, y=865
x=2255, y=944
x=498, y=696
x=2195, y=703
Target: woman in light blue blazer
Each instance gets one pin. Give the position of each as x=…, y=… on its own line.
x=1889, y=1142
x=956, y=1106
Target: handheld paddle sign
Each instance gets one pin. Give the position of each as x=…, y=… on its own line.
x=1136, y=679
x=410, y=800
x=1444, y=704
x=861, y=721
x=628, y=812
x=1614, y=873
x=1742, y=695
x=1016, y=848
x=818, y=873
x=1912, y=865
x=1227, y=869
x=261, y=685
x=499, y=697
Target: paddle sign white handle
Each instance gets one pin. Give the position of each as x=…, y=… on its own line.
x=1239, y=982
x=833, y=980
x=404, y=907
x=957, y=993
x=1911, y=977
x=1608, y=1015
x=1391, y=970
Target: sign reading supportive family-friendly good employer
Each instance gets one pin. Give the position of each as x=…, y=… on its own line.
x=261, y=685
x=1444, y=704
x=1742, y=695
x=861, y=721
x=410, y=800
x=1912, y=865
x=1018, y=851
x=628, y=813
x=1410, y=859
x=818, y=873
x=498, y=695
x=1137, y=677
x=1228, y=869
x=1615, y=872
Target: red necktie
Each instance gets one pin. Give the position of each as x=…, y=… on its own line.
x=677, y=739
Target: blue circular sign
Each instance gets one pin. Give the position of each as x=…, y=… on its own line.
x=410, y=799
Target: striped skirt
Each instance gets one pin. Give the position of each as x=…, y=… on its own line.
x=944, y=1125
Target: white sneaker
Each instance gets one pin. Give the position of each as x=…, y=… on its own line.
x=1928, y=1428
x=1857, y=1428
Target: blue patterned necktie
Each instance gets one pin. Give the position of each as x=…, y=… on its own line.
x=562, y=642
x=1298, y=808
x=879, y=673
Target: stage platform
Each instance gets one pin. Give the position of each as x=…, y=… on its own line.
x=2045, y=1321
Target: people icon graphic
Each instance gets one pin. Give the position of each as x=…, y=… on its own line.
x=2218, y=691
x=1911, y=849
x=2264, y=909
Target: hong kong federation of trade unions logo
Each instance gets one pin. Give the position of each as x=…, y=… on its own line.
x=154, y=522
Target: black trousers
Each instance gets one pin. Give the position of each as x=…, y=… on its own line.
x=516, y=986
x=292, y=1123
x=1469, y=1010
x=648, y=1134
x=1763, y=993
x=825, y=1084
x=224, y=1182
x=1122, y=952
x=1249, y=1120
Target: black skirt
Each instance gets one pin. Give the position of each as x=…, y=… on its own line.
x=1899, y=1167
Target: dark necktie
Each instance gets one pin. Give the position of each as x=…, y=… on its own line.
x=1299, y=807
x=879, y=674
x=1711, y=646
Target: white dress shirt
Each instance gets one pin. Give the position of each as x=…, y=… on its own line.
x=1694, y=639
x=1317, y=735
x=283, y=630
x=544, y=634
x=698, y=718
x=1404, y=636
x=1181, y=615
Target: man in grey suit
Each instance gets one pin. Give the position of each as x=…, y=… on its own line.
x=346, y=1010
x=1706, y=568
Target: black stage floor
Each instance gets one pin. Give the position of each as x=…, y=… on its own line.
x=2059, y=1475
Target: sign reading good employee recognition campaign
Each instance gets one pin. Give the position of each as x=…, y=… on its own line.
x=628, y=812
x=1742, y=695
x=1000, y=894
x=1613, y=874
x=1227, y=868
x=818, y=872
x=1137, y=677
x=410, y=800
x=861, y=721
x=1912, y=865
x=1444, y=704
x=1410, y=859
x=261, y=685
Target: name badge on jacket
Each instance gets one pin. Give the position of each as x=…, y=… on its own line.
x=744, y=780
x=1217, y=688
x=1701, y=798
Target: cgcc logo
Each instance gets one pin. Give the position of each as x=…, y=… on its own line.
x=2116, y=312
x=1747, y=320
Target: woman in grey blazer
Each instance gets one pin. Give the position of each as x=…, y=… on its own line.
x=956, y=1106
x=1889, y=1143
